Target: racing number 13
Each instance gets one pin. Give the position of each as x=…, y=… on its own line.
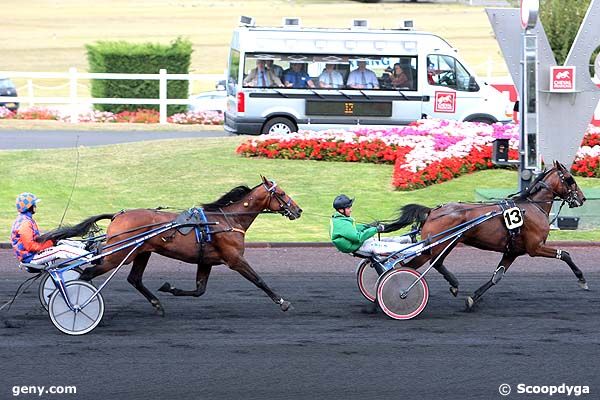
x=513, y=218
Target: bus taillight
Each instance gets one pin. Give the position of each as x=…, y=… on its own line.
x=241, y=102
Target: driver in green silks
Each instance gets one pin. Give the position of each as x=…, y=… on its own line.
x=348, y=236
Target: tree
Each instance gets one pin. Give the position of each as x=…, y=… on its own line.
x=561, y=20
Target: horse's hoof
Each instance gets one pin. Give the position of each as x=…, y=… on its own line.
x=469, y=303
x=454, y=291
x=285, y=305
x=583, y=285
x=166, y=287
x=158, y=308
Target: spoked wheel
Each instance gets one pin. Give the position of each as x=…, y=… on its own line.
x=390, y=287
x=47, y=286
x=366, y=278
x=81, y=321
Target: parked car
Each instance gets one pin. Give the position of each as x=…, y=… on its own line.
x=7, y=88
x=215, y=100
x=220, y=85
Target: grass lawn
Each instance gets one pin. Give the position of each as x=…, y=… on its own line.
x=42, y=35
x=186, y=172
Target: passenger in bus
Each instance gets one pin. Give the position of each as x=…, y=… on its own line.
x=400, y=78
x=296, y=78
x=385, y=81
x=262, y=77
x=276, y=69
x=431, y=72
x=330, y=78
x=362, y=77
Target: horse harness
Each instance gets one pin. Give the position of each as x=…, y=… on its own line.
x=513, y=218
x=194, y=219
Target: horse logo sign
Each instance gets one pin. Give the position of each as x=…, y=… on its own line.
x=562, y=79
x=445, y=102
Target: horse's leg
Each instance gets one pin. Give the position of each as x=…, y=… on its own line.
x=549, y=252
x=202, y=275
x=505, y=263
x=241, y=265
x=438, y=263
x=135, y=279
x=449, y=276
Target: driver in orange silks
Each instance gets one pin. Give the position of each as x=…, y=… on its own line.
x=25, y=237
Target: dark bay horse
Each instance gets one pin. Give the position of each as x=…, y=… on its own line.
x=234, y=212
x=535, y=204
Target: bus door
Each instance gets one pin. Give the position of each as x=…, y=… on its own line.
x=452, y=90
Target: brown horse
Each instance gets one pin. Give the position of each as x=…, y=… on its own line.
x=230, y=217
x=534, y=203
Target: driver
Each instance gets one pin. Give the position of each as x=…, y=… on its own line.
x=25, y=237
x=348, y=236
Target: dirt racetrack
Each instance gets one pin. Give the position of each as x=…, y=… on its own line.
x=536, y=327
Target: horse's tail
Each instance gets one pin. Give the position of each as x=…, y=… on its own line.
x=73, y=231
x=409, y=214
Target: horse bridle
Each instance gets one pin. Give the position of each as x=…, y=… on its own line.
x=568, y=182
x=283, y=205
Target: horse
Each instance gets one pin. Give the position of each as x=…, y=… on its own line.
x=229, y=217
x=534, y=202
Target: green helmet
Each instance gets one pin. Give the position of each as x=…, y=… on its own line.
x=342, y=201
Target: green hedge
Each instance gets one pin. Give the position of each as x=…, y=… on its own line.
x=144, y=58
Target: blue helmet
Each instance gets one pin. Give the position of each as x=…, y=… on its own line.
x=342, y=201
x=25, y=201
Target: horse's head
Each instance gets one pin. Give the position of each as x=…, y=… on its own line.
x=279, y=201
x=564, y=186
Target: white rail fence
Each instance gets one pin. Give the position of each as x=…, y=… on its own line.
x=74, y=101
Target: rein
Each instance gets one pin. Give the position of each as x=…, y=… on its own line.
x=482, y=204
x=568, y=198
x=19, y=291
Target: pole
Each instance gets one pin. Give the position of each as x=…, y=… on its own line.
x=162, y=95
x=529, y=158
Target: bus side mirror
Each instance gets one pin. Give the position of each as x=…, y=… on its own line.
x=473, y=86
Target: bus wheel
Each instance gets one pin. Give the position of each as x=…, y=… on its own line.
x=483, y=120
x=279, y=125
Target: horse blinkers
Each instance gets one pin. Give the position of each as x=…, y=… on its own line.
x=573, y=196
x=287, y=208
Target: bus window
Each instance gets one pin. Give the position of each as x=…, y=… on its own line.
x=234, y=71
x=307, y=71
x=446, y=71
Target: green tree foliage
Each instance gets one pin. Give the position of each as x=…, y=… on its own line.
x=561, y=20
x=145, y=58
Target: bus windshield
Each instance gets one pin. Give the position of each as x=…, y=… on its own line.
x=306, y=71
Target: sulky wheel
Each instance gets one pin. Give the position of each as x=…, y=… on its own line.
x=390, y=287
x=366, y=278
x=83, y=320
x=47, y=286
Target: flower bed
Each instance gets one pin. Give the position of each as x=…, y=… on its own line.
x=144, y=116
x=333, y=145
x=423, y=153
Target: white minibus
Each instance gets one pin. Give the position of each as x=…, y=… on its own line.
x=281, y=79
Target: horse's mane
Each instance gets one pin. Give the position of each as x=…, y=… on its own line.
x=234, y=195
x=533, y=188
